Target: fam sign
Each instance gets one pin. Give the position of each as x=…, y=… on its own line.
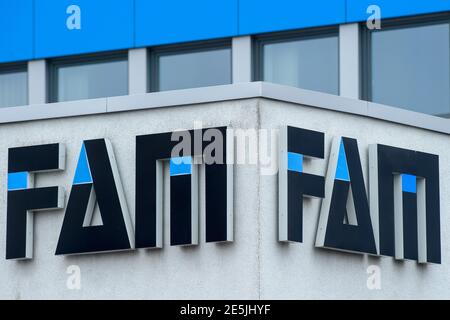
x=402, y=218
x=399, y=217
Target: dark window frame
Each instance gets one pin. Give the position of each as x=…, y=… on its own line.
x=260, y=41
x=14, y=67
x=154, y=53
x=389, y=24
x=78, y=60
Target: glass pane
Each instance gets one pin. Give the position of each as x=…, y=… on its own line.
x=194, y=69
x=13, y=89
x=92, y=80
x=410, y=68
x=308, y=63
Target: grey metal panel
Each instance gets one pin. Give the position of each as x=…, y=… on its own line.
x=53, y=110
x=225, y=93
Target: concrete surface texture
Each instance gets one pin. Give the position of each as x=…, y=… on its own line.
x=255, y=265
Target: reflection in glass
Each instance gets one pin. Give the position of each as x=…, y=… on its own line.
x=194, y=69
x=92, y=80
x=310, y=63
x=13, y=88
x=410, y=68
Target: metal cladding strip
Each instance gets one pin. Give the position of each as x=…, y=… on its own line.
x=225, y=93
x=81, y=26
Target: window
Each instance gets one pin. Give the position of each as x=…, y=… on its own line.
x=307, y=59
x=407, y=65
x=190, y=66
x=88, y=77
x=13, y=85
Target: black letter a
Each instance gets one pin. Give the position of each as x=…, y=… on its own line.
x=96, y=179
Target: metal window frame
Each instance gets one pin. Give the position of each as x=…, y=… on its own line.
x=155, y=53
x=15, y=67
x=390, y=24
x=56, y=63
x=287, y=36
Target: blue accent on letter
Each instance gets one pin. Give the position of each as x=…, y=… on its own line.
x=295, y=162
x=342, y=168
x=17, y=181
x=409, y=183
x=83, y=172
x=180, y=166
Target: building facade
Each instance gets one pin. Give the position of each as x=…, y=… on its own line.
x=334, y=181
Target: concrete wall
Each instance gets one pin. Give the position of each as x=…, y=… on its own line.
x=206, y=271
x=255, y=265
x=303, y=271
